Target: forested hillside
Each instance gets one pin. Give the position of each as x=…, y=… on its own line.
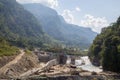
x=58, y=28
x=105, y=49
x=19, y=27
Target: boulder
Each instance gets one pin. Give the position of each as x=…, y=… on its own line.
x=62, y=58
x=73, y=60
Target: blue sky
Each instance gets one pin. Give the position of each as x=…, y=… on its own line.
x=94, y=14
x=102, y=8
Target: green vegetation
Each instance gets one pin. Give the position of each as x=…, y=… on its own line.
x=67, y=50
x=27, y=51
x=6, y=49
x=55, y=26
x=21, y=28
x=106, y=48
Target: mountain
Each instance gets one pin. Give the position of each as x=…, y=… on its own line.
x=105, y=49
x=6, y=49
x=20, y=27
x=55, y=26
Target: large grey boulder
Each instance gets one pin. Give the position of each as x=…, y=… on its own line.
x=62, y=58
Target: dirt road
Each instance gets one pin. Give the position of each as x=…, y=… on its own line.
x=5, y=68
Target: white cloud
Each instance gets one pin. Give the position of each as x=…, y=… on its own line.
x=53, y=3
x=95, y=23
x=50, y=3
x=67, y=14
x=77, y=9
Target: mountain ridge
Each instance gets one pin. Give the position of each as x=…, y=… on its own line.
x=19, y=27
x=55, y=26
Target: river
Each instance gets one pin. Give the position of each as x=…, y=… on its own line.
x=87, y=66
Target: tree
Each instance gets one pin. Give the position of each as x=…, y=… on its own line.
x=106, y=47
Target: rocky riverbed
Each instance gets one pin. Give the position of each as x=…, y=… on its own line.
x=79, y=71
x=30, y=67
x=66, y=72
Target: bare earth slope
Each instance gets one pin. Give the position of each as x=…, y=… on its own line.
x=5, y=68
x=22, y=63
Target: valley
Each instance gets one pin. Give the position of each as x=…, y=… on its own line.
x=52, y=69
x=38, y=43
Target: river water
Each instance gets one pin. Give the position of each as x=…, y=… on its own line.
x=87, y=66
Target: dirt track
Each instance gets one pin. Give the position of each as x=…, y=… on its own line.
x=5, y=68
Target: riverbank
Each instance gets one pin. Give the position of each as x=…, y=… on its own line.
x=65, y=72
x=30, y=67
x=73, y=72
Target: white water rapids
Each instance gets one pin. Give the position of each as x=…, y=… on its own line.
x=87, y=66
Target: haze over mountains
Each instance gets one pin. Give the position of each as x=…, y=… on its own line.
x=20, y=27
x=37, y=43
x=55, y=26
x=36, y=25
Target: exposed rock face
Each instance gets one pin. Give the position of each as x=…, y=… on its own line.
x=96, y=61
x=50, y=64
x=44, y=56
x=47, y=56
x=24, y=64
x=61, y=58
x=38, y=70
x=6, y=59
x=72, y=60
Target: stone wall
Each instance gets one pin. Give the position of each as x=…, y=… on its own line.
x=47, y=56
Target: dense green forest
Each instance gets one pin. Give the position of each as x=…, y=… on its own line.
x=19, y=27
x=106, y=48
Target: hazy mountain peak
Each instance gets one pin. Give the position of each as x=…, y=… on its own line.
x=56, y=26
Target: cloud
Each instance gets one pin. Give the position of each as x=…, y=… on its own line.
x=77, y=9
x=53, y=3
x=50, y=3
x=95, y=23
x=69, y=18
